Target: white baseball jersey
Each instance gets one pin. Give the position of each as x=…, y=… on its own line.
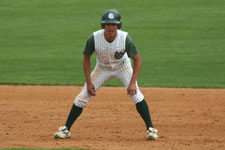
x=108, y=66
x=105, y=51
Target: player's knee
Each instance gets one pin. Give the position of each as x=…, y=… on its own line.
x=80, y=103
x=82, y=99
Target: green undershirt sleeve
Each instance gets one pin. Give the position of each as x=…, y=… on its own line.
x=90, y=46
x=130, y=47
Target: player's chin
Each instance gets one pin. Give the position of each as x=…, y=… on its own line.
x=111, y=32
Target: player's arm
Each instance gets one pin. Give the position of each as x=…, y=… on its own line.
x=89, y=49
x=132, y=89
x=87, y=67
x=133, y=53
x=87, y=71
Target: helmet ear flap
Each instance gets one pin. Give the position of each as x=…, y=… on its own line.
x=120, y=24
x=102, y=25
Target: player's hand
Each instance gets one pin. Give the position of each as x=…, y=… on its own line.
x=91, y=89
x=132, y=89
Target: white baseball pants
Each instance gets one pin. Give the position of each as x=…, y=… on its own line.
x=101, y=74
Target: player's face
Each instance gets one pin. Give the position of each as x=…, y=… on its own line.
x=110, y=31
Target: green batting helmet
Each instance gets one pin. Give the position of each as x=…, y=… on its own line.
x=111, y=16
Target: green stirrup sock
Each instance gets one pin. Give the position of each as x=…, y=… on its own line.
x=142, y=108
x=74, y=114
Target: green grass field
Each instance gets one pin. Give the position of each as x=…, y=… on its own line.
x=181, y=41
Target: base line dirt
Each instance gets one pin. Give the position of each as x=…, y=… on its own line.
x=187, y=119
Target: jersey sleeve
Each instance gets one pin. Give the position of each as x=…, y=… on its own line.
x=130, y=47
x=90, y=46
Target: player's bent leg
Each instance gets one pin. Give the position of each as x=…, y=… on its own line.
x=98, y=77
x=125, y=75
x=82, y=98
x=64, y=131
x=138, y=97
x=142, y=108
x=73, y=115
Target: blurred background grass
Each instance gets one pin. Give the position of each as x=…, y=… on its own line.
x=182, y=42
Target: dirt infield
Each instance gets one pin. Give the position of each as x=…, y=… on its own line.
x=187, y=119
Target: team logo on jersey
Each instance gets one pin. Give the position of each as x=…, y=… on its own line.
x=119, y=55
x=111, y=16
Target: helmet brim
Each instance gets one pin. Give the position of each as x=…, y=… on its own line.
x=110, y=21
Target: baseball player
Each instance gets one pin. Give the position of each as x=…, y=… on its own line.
x=113, y=48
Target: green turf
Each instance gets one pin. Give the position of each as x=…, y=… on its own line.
x=181, y=42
